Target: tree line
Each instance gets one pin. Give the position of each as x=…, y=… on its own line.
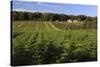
x=37, y=16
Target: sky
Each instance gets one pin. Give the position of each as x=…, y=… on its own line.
x=61, y=8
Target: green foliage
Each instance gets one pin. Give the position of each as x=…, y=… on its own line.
x=37, y=16
x=41, y=43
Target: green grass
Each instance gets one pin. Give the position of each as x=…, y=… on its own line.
x=47, y=43
x=30, y=26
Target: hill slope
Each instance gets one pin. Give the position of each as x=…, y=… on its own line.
x=30, y=26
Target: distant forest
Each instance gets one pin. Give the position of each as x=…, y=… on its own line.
x=37, y=16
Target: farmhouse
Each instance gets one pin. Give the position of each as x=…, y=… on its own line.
x=75, y=21
x=70, y=20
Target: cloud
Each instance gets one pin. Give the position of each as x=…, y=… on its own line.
x=42, y=4
x=48, y=5
x=22, y=10
x=39, y=3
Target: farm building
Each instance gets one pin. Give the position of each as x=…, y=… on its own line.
x=69, y=20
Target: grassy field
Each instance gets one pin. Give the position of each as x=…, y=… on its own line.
x=29, y=26
x=48, y=42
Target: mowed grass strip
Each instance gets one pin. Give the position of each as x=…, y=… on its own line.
x=33, y=26
x=41, y=27
x=49, y=27
x=53, y=27
x=25, y=26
